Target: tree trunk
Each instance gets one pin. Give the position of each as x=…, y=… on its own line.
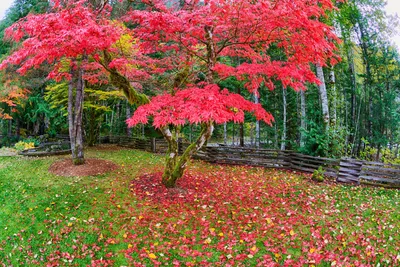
x=9, y=130
x=233, y=134
x=284, y=133
x=303, y=118
x=241, y=127
x=256, y=101
x=75, y=112
x=225, y=134
x=324, y=97
x=128, y=115
x=241, y=135
x=332, y=79
x=175, y=165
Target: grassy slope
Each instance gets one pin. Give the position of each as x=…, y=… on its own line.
x=236, y=215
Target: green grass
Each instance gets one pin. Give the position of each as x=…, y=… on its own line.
x=236, y=215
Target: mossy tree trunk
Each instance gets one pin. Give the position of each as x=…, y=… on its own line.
x=175, y=165
x=75, y=112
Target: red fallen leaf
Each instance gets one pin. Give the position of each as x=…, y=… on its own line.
x=101, y=263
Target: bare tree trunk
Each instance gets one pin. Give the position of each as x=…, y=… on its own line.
x=75, y=112
x=334, y=96
x=324, y=97
x=241, y=127
x=256, y=100
x=175, y=164
x=303, y=118
x=241, y=135
x=128, y=115
x=283, y=139
x=112, y=121
x=233, y=134
x=225, y=134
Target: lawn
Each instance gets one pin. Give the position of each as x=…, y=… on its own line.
x=220, y=216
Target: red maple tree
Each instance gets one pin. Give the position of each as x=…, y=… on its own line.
x=191, y=46
x=200, y=40
x=76, y=38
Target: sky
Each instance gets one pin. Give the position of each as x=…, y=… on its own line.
x=393, y=7
x=4, y=5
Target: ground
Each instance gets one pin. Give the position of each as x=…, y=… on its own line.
x=219, y=216
x=7, y=152
x=91, y=167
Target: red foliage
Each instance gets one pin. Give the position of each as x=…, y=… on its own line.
x=244, y=30
x=64, y=33
x=223, y=38
x=195, y=105
x=149, y=187
x=243, y=216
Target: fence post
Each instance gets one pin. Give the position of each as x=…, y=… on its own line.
x=349, y=171
x=288, y=160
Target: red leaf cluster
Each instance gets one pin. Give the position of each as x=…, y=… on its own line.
x=65, y=32
x=196, y=105
x=242, y=30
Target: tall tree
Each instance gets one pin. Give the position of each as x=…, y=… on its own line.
x=197, y=38
x=324, y=97
x=65, y=37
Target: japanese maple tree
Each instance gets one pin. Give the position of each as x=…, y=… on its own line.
x=197, y=39
x=78, y=39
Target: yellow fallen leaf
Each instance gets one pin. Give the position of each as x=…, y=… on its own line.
x=47, y=209
x=212, y=230
x=269, y=221
x=254, y=248
x=312, y=250
x=291, y=233
x=207, y=241
x=152, y=256
x=69, y=224
x=129, y=246
x=221, y=234
x=125, y=235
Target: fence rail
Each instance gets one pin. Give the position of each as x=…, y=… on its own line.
x=344, y=170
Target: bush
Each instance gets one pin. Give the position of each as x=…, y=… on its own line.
x=21, y=145
x=33, y=140
x=319, y=175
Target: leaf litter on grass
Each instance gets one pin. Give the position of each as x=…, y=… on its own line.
x=219, y=216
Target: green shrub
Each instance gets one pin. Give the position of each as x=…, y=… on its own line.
x=318, y=175
x=33, y=140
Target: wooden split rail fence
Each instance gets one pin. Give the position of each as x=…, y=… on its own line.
x=344, y=170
